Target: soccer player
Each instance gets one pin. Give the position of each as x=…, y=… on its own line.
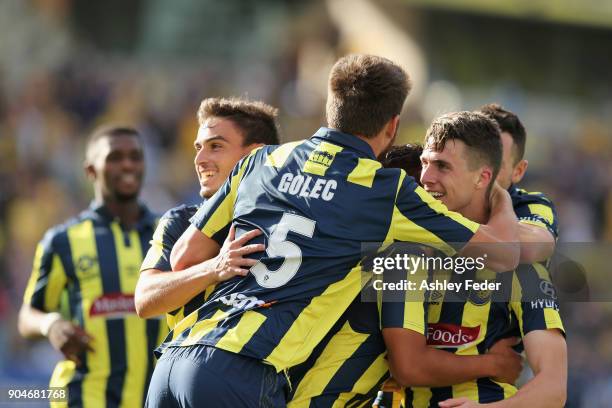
x=229, y=130
x=348, y=367
x=92, y=261
x=536, y=213
x=460, y=161
x=316, y=202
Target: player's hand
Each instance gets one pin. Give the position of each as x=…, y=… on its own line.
x=498, y=194
x=69, y=339
x=508, y=363
x=231, y=260
x=459, y=403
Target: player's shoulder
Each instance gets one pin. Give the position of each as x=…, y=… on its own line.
x=182, y=212
x=523, y=194
x=59, y=231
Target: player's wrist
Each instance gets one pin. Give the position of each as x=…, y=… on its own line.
x=47, y=321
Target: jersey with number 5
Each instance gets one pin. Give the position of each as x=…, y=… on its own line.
x=316, y=201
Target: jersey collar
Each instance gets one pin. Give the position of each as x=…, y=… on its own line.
x=345, y=139
x=147, y=218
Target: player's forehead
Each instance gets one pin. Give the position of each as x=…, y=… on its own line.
x=108, y=144
x=453, y=151
x=221, y=129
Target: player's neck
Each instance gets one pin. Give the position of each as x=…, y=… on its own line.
x=128, y=212
x=477, y=210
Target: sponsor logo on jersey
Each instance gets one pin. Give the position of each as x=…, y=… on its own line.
x=113, y=305
x=444, y=335
x=240, y=301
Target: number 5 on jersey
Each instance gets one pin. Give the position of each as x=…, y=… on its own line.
x=279, y=247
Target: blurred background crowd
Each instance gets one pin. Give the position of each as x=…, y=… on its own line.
x=69, y=65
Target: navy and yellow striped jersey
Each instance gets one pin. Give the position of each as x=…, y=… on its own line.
x=95, y=262
x=349, y=366
x=169, y=229
x=469, y=322
x=316, y=202
x=534, y=208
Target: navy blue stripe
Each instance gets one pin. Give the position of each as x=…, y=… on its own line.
x=109, y=274
x=439, y=394
x=533, y=318
x=488, y=391
x=153, y=326
x=63, y=249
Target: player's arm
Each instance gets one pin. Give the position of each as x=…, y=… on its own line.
x=160, y=291
x=537, y=243
x=499, y=237
x=38, y=316
x=413, y=363
x=538, y=227
x=418, y=217
x=547, y=355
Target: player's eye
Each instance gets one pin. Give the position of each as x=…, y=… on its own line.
x=216, y=146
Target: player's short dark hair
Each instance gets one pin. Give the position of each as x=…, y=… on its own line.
x=510, y=123
x=256, y=119
x=108, y=131
x=479, y=133
x=364, y=93
x=407, y=157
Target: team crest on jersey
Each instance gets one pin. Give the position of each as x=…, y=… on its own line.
x=85, y=267
x=479, y=297
x=435, y=296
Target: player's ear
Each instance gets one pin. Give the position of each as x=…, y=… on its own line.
x=519, y=171
x=393, y=126
x=485, y=178
x=90, y=171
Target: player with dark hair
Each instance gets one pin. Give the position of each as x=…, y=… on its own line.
x=406, y=157
x=229, y=129
x=306, y=197
x=92, y=261
x=459, y=163
x=538, y=227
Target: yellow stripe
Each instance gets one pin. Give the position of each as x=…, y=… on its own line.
x=371, y=376
x=473, y=316
x=56, y=281
x=278, y=157
x=314, y=321
x=406, y=230
x=184, y=324
x=543, y=211
x=536, y=223
x=468, y=390
x=235, y=338
x=509, y=389
x=29, y=291
x=129, y=259
x=364, y=173
x=62, y=374
x=318, y=163
x=440, y=208
x=515, y=301
x=339, y=349
x=83, y=244
x=156, y=250
x=553, y=319
x=201, y=328
x=414, y=306
x=224, y=214
x=421, y=397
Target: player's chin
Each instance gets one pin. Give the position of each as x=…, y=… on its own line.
x=127, y=195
